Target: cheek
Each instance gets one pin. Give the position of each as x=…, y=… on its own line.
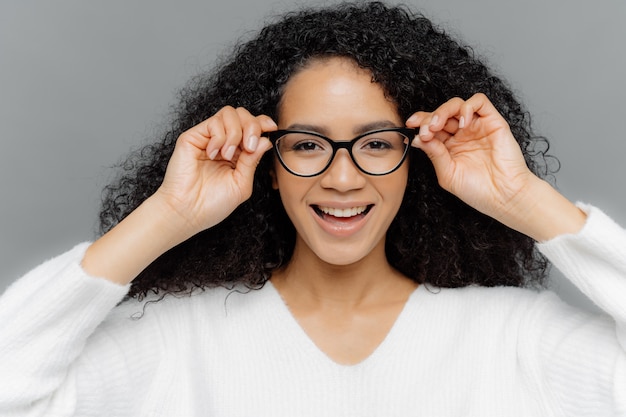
x=399, y=179
x=396, y=187
x=288, y=186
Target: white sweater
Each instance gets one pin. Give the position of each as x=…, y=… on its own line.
x=66, y=349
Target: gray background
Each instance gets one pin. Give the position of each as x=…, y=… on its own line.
x=83, y=82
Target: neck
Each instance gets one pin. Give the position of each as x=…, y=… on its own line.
x=307, y=279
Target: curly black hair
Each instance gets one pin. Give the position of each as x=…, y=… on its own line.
x=435, y=238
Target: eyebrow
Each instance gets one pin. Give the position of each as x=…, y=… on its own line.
x=358, y=129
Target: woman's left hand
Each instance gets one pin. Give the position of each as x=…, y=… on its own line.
x=477, y=159
x=474, y=153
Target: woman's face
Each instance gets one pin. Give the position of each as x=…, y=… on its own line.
x=343, y=214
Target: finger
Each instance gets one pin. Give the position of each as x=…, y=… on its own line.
x=480, y=107
x=448, y=110
x=267, y=124
x=194, y=139
x=233, y=129
x=248, y=162
x=214, y=129
x=443, y=118
x=468, y=113
x=430, y=127
x=253, y=127
x=417, y=119
x=190, y=146
x=423, y=121
x=451, y=126
x=441, y=136
x=204, y=138
x=439, y=155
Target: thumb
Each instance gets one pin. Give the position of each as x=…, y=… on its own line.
x=438, y=154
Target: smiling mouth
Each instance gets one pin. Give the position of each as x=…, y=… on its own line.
x=343, y=214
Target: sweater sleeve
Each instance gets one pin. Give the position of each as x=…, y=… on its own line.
x=582, y=357
x=595, y=261
x=46, y=318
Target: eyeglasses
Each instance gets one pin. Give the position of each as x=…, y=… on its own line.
x=307, y=154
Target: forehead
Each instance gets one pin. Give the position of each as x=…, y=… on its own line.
x=331, y=89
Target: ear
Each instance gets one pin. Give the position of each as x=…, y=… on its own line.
x=274, y=179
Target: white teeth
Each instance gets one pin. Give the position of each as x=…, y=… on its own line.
x=347, y=212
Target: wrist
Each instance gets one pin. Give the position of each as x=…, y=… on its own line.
x=174, y=227
x=140, y=238
x=542, y=213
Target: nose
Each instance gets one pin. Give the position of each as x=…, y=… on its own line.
x=342, y=174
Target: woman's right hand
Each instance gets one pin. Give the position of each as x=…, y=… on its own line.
x=210, y=173
x=212, y=168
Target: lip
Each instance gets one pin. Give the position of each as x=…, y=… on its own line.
x=341, y=226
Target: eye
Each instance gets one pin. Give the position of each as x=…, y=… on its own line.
x=376, y=144
x=306, y=145
x=302, y=143
x=382, y=142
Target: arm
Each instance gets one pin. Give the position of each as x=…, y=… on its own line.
x=562, y=350
x=47, y=317
x=573, y=356
x=594, y=260
x=210, y=173
x=45, y=320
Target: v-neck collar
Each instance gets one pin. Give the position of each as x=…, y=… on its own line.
x=301, y=339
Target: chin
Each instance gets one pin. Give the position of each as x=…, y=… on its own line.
x=341, y=256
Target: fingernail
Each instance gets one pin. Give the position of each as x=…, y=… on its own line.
x=461, y=122
x=213, y=154
x=434, y=120
x=412, y=119
x=230, y=152
x=253, y=142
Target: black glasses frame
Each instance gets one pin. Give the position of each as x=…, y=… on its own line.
x=409, y=132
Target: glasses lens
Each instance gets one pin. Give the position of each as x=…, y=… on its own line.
x=380, y=152
x=303, y=153
x=308, y=154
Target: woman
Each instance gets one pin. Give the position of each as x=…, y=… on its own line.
x=346, y=271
